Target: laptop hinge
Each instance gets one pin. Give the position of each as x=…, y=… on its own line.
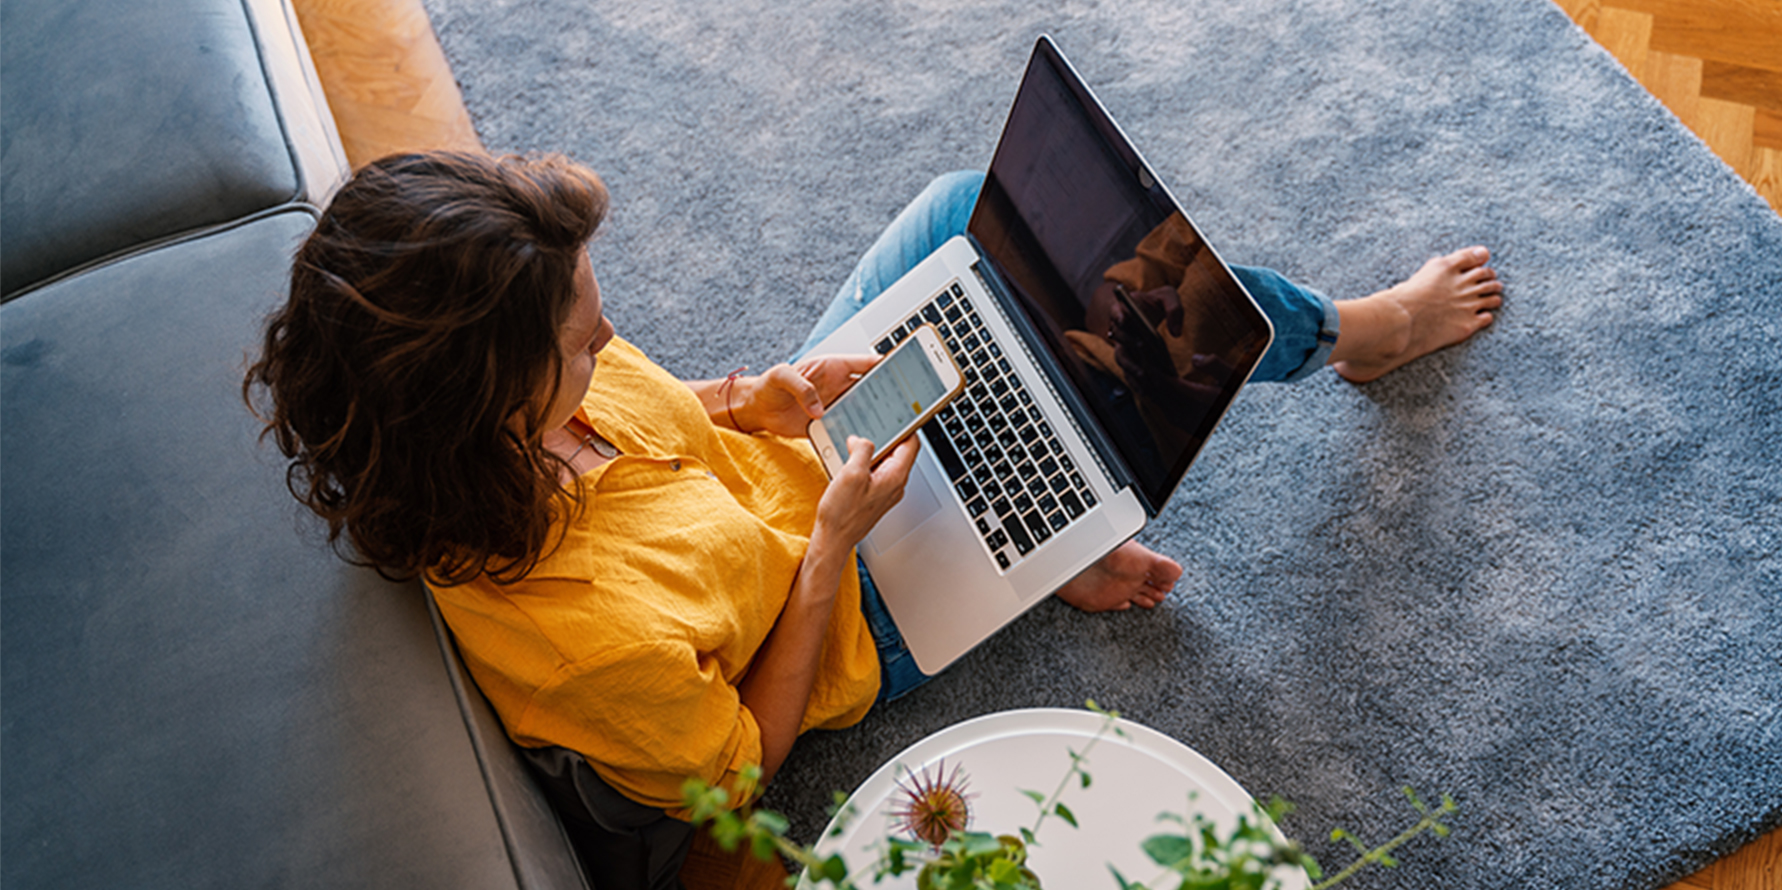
x=1101, y=446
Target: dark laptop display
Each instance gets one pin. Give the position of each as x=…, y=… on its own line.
x=1107, y=271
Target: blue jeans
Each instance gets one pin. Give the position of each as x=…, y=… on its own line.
x=1305, y=324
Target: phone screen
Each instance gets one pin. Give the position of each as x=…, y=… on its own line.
x=887, y=400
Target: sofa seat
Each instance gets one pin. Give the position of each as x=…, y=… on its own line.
x=195, y=692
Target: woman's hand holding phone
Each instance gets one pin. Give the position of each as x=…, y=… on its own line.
x=862, y=493
x=888, y=404
x=786, y=398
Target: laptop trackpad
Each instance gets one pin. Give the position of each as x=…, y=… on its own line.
x=918, y=504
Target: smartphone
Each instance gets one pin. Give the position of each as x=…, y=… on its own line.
x=890, y=401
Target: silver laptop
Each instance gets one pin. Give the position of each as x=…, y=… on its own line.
x=1102, y=340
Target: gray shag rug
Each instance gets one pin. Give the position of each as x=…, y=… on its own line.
x=1539, y=572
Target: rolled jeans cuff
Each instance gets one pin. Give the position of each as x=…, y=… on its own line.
x=1327, y=339
x=1305, y=323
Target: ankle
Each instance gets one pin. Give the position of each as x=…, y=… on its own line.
x=1372, y=329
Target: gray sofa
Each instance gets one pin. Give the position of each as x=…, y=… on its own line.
x=196, y=692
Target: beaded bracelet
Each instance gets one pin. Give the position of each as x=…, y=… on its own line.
x=728, y=383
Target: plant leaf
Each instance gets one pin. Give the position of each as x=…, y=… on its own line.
x=1168, y=850
x=1065, y=813
x=835, y=870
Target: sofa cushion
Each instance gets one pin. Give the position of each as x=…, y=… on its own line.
x=197, y=693
x=126, y=123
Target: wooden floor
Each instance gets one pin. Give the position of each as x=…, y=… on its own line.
x=1716, y=63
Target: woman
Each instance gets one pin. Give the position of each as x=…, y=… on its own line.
x=655, y=574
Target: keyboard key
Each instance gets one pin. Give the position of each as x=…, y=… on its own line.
x=1018, y=534
x=1037, y=525
x=1002, y=560
x=885, y=346
x=899, y=335
x=1060, y=484
x=1072, y=506
x=931, y=313
x=935, y=438
x=983, y=526
x=1057, y=521
x=967, y=489
x=976, y=507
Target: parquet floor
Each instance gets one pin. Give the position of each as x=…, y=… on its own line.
x=1716, y=63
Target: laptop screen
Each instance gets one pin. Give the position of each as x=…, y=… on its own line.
x=1133, y=305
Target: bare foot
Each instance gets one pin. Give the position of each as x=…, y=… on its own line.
x=1131, y=575
x=1447, y=301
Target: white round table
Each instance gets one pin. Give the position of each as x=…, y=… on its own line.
x=1135, y=778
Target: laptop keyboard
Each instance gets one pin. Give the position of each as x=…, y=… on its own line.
x=1000, y=455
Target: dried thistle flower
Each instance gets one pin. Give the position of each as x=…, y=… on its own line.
x=934, y=806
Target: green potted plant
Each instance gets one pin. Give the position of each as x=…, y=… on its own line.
x=933, y=838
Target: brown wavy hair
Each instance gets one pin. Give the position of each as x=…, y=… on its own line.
x=407, y=376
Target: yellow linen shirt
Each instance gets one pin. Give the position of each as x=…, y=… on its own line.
x=627, y=642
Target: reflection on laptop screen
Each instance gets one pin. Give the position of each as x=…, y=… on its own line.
x=1151, y=326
